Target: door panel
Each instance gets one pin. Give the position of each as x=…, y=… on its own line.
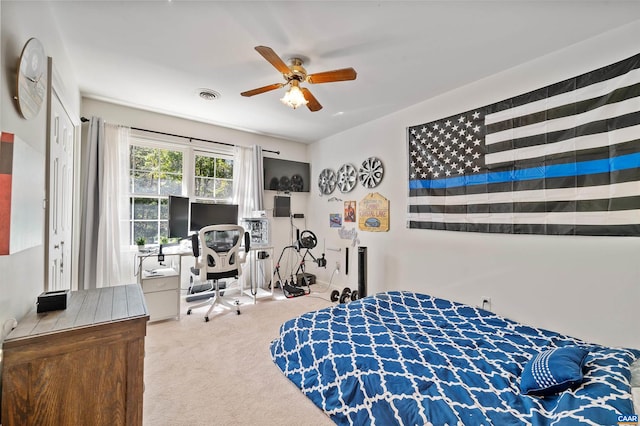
x=59, y=201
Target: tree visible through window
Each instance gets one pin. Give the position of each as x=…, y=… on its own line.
x=155, y=172
x=213, y=177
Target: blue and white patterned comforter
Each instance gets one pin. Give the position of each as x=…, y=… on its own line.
x=411, y=359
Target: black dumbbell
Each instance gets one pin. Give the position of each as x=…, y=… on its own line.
x=346, y=294
x=342, y=297
x=355, y=295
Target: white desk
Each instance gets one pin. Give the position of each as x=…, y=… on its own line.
x=161, y=285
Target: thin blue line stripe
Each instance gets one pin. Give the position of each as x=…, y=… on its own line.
x=622, y=162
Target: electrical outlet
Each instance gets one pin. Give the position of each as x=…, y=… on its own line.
x=338, y=265
x=486, y=303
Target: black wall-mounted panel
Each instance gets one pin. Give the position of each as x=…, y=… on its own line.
x=286, y=176
x=281, y=206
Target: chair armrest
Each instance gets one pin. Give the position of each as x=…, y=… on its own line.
x=195, y=245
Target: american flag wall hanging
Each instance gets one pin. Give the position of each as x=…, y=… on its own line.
x=560, y=160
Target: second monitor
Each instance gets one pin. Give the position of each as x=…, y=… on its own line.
x=205, y=214
x=178, y=216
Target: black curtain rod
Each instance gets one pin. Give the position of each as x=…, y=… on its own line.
x=85, y=119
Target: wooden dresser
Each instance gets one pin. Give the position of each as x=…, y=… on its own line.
x=78, y=366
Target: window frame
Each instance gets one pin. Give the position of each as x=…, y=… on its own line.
x=211, y=154
x=189, y=153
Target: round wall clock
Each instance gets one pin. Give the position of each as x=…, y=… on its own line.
x=32, y=78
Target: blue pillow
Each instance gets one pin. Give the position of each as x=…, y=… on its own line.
x=553, y=371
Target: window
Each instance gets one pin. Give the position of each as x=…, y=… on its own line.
x=155, y=173
x=213, y=177
x=157, y=170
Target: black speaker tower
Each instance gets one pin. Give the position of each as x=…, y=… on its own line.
x=362, y=272
x=346, y=261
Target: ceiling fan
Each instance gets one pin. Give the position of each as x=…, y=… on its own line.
x=294, y=74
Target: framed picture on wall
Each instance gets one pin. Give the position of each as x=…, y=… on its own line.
x=349, y=211
x=21, y=224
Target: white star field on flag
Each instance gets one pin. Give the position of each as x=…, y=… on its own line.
x=447, y=148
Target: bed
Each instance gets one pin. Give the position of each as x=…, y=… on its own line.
x=412, y=359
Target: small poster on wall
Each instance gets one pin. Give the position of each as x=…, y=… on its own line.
x=349, y=211
x=335, y=220
x=373, y=213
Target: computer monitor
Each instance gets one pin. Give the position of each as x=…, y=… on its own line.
x=178, y=216
x=205, y=214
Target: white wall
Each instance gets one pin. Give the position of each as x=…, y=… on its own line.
x=22, y=273
x=585, y=286
x=289, y=150
x=588, y=287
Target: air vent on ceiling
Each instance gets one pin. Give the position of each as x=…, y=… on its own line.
x=208, y=94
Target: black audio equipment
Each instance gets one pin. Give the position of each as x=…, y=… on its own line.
x=362, y=272
x=53, y=300
x=346, y=261
x=281, y=206
x=160, y=255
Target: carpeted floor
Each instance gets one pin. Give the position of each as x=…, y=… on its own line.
x=220, y=372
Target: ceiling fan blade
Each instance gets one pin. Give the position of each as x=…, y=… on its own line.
x=313, y=103
x=262, y=89
x=273, y=59
x=331, y=76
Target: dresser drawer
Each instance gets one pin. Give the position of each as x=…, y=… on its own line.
x=160, y=283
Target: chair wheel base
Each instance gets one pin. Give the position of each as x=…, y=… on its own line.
x=189, y=312
x=206, y=319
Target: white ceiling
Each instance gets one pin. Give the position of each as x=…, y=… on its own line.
x=156, y=55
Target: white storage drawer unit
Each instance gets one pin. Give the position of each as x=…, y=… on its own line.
x=161, y=290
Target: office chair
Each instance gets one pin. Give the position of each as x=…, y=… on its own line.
x=218, y=255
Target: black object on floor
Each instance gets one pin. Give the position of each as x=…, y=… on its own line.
x=292, y=291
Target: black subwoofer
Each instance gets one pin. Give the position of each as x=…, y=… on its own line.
x=362, y=272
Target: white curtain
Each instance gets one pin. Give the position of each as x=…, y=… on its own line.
x=113, y=220
x=248, y=180
x=104, y=205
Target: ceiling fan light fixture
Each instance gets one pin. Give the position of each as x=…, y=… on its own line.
x=295, y=74
x=294, y=97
